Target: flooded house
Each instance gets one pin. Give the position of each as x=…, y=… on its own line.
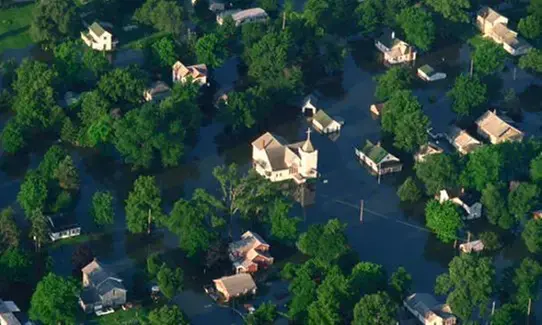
x=241, y=17
x=427, y=73
x=376, y=109
x=462, y=140
x=98, y=38
x=157, y=92
x=428, y=311
x=235, y=286
x=466, y=200
x=277, y=160
x=395, y=50
x=378, y=159
x=249, y=254
x=472, y=246
x=62, y=227
x=494, y=128
x=197, y=73
x=320, y=120
x=7, y=313
x=426, y=150
x=494, y=25
x=101, y=288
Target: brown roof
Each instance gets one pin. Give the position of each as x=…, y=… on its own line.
x=268, y=140
x=495, y=126
x=237, y=284
x=489, y=14
x=195, y=71
x=462, y=139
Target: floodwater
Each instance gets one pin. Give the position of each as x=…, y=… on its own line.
x=390, y=234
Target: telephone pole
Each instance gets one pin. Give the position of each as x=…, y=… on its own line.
x=283, y=20
x=471, y=67
x=361, y=211
x=149, y=223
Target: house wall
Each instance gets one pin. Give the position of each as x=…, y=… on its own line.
x=434, y=321
x=399, y=59
x=309, y=164
x=309, y=106
x=220, y=288
x=115, y=297
x=366, y=160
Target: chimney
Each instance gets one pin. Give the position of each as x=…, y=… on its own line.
x=392, y=35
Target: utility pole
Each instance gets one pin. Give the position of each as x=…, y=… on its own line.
x=515, y=72
x=149, y=222
x=379, y=172
x=529, y=311
x=468, y=236
x=361, y=211
x=471, y=67
x=283, y=20
x=492, y=311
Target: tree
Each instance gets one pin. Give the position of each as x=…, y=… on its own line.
x=418, y=26
x=443, y=219
x=96, y=122
x=369, y=15
x=469, y=284
x=252, y=33
x=394, y=79
x=164, y=52
x=102, y=208
x=488, y=56
x=54, y=301
x=153, y=264
x=170, y=281
x=536, y=169
x=532, y=235
x=54, y=20
x=13, y=136
x=9, y=232
x=67, y=60
x=122, y=85
x=303, y=290
x=494, y=201
x=404, y=118
x=467, y=94
x=283, y=227
x=164, y=15
x=409, y=191
x=532, y=60
x=530, y=27
x=67, y=175
x=270, y=6
x=400, y=283
x=375, y=309
x=33, y=193
x=39, y=229
x=437, y=172
x=239, y=110
x=51, y=160
x=484, y=166
x=368, y=278
x=453, y=10
x=523, y=199
x=508, y=314
x=96, y=62
x=211, y=50
x=491, y=241
x=15, y=266
x=143, y=205
x=167, y=315
x=527, y=279
x=327, y=243
x=264, y=315
x=332, y=296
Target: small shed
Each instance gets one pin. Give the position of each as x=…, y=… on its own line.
x=61, y=227
x=427, y=73
x=325, y=124
x=378, y=159
x=376, y=109
x=235, y=286
x=472, y=246
x=157, y=92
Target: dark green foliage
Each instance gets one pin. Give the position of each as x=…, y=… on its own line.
x=96, y=122
x=302, y=288
x=418, y=27
x=437, y=172
x=6, y=100
x=9, y=232
x=153, y=264
x=170, y=281
x=469, y=285
x=532, y=60
x=400, y=284
x=54, y=20
x=96, y=62
x=496, y=210
x=488, y=56
x=507, y=314
x=264, y=315
x=375, y=309
x=532, y=235
x=394, y=79
x=327, y=243
x=62, y=202
x=330, y=17
x=164, y=15
x=368, y=278
x=332, y=296
x=443, y=219
x=143, y=200
x=69, y=131
x=39, y=229
x=484, y=166
x=252, y=33
x=527, y=279
x=163, y=51
x=13, y=136
x=530, y=27
x=523, y=199
x=211, y=50
x=51, y=160
x=403, y=117
x=467, y=94
x=67, y=175
x=167, y=315
x=67, y=61
x=15, y=266
x=453, y=10
x=409, y=191
x=536, y=169
x=33, y=193
x=54, y=301
x=491, y=241
x=102, y=208
x=283, y=226
x=122, y=85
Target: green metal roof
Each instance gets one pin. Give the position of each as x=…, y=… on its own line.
x=427, y=69
x=97, y=29
x=375, y=152
x=322, y=118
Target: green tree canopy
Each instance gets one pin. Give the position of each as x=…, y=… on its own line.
x=94, y=117
x=404, y=118
x=523, y=199
x=153, y=264
x=375, y=309
x=443, y=219
x=68, y=60
x=495, y=207
x=168, y=314
x=283, y=226
x=170, y=281
x=9, y=232
x=507, y=314
x=164, y=15
x=536, y=169
x=13, y=137
x=453, y=10
x=469, y=285
x=54, y=20
x=122, y=85
x=211, y=50
x=532, y=235
x=327, y=243
x=491, y=241
x=467, y=94
x=488, y=56
x=33, y=192
x=530, y=27
x=15, y=266
x=394, y=79
x=527, y=281
x=144, y=202
x=333, y=295
x=164, y=53
x=96, y=62
x=264, y=315
x=303, y=291
x=400, y=284
x=409, y=191
x=54, y=301
x=484, y=166
x=67, y=175
x=532, y=60
x=368, y=278
x=437, y=172
x=102, y=208
x=369, y=15
x=39, y=229
x=418, y=26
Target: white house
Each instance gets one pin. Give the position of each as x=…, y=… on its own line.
x=97, y=38
x=426, y=150
x=276, y=160
x=395, y=50
x=241, y=17
x=325, y=123
x=427, y=73
x=496, y=129
x=462, y=141
x=466, y=201
x=61, y=227
x=472, y=246
x=378, y=159
x=181, y=73
x=428, y=311
x=309, y=105
x=158, y=91
x=494, y=25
